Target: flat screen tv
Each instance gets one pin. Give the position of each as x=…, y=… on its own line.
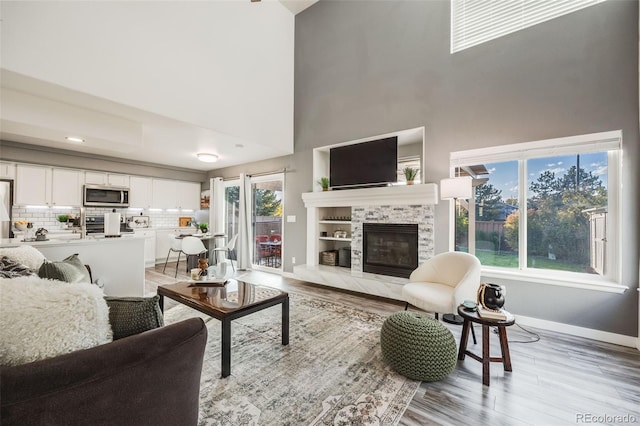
x=372, y=163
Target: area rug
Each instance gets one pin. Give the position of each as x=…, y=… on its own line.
x=331, y=373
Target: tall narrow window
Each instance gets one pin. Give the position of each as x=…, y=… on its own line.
x=232, y=207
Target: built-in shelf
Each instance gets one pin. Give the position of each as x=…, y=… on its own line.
x=335, y=222
x=334, y=239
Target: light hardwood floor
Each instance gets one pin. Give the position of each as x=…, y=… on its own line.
x=559, y=380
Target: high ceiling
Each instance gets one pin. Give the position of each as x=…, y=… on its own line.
x=151, y=81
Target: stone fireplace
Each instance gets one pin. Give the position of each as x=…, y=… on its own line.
x=390, y=248
x=393, y=205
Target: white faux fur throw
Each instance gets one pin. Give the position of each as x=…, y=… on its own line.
x=42, y=318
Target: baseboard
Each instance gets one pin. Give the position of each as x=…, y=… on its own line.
x=589, y=333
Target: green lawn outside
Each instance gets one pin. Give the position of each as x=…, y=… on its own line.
x=510, y=260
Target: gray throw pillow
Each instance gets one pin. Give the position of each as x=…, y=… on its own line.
x=71, y=270
x=133, y=315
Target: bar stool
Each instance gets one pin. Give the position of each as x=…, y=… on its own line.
x=192, y=246
x=175, y=245
x=231, y=245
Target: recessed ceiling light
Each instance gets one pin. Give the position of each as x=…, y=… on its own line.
x=74, y=139
x=207, y=158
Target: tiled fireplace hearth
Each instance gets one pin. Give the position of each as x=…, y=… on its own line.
x=387, y=205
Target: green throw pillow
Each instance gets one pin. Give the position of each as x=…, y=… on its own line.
x=71, y=270
x=133, y=315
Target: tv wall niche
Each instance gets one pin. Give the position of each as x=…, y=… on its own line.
x=365, y=164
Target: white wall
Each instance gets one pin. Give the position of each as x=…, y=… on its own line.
x=229, y=63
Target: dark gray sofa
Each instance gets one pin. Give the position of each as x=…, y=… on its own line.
x=152, y=378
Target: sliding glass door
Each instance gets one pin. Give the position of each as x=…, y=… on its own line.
x=267, y=196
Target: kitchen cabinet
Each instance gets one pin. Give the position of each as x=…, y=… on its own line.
x=140, y=192
x=46, y=186
x=162, y=245
x=149, y=245
x=98, y=178
x=33, y=185
x=66, y=188
x=164, y=194
x=188, y=195
x=7, y=170
x=171, y=194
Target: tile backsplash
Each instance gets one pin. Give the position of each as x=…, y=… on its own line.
x=47, y=217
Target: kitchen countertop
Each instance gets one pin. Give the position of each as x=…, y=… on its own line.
x=14, y=242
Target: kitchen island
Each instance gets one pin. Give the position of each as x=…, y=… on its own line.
x=117, y=264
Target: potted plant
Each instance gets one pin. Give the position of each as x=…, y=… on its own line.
x=324, y=183
x=410, y=174
x=204, y=227
x=63, y=219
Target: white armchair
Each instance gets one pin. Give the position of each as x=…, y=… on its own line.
x=443, y=282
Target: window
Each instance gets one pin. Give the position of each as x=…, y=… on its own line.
x=476, y=21
x=232, y=207
x=568, y=188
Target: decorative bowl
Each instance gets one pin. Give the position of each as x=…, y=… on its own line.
x=21, y=226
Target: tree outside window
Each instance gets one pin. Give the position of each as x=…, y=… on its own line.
x=564, y=196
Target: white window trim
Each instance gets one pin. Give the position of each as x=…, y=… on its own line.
x=595, y=142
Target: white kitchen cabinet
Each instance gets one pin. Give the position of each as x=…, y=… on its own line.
x=188, y=195
x=140, y=192
x=164, y=194
x=118, y=180
x=7, y=170
x=46, y=186
x=171, y=194
x=162, y=246
x=33, y=185
x=66, y=188
x=101, y=178
x=149, y=245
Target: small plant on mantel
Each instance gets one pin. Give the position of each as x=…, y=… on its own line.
x=324, y=183
x=410, y=174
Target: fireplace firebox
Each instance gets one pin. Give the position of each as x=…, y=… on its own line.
x=390, y=249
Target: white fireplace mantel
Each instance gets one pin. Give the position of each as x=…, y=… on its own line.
x=417, y=199
x=426, y=193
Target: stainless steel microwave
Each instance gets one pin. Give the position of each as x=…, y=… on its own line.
x=105, y=196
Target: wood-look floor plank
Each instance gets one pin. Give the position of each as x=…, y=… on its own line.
x=552, y=382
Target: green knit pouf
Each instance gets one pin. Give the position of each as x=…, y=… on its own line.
x=417, y=346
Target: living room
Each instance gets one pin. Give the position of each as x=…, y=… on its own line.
x=366, y=69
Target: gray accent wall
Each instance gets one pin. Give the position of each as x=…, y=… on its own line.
x=365, y=68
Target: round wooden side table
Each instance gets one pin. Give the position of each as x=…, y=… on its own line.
x=471, y=317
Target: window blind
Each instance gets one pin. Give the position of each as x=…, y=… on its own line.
x=477, y=21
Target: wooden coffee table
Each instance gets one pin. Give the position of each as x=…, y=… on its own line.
x=235, y=299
